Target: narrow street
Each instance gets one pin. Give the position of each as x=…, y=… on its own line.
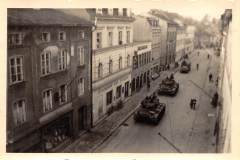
x=181, y=129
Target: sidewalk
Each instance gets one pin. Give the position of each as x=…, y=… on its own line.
x=89, y=141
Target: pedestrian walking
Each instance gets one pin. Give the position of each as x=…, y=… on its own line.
x=197, y=66
x=191, y=103
x=148, y=83
x=210, y=77
x=208, y=56
x=194, y=104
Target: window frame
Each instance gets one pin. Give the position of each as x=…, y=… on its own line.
x=62, y=59
x=81, y=86
x=64, y=36
x=48, y=37
x=120, y=64
x=14, y=114
x=65, y=94
x=99, y=40
x=12, y=40
x=118, y=92
x=110, y=66
x=100, y=70
x=51, y=100
x=45, y=64
x=15, y=69
x=81, y=54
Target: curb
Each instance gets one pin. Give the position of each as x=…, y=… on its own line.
x=115, y=128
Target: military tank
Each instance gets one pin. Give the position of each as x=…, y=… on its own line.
x=168, y=86
x=185, y=66
x=150, y=110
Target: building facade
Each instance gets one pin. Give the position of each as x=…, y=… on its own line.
x=180, y=44
x=223, y=123
x=147, y=28
x=190, y=39
x=141, y=65
x=111, y=59
x=49, y=80
x=171, y=42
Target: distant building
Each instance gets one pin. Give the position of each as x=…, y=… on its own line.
x=147, y=28
x=171, y=35
x=223, y=124
x=49, y=80
x=180, y=44
x=112, y=45
x=189, y=39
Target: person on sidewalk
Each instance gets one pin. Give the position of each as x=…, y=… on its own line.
x=194, y=103
x=197, y=66
x=191, y=103
x=210, y=77
x=148, y=83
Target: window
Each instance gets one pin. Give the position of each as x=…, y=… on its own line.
x=47, y=100
x=99, y=40
x=110, y=38
x=128, y=60
x=118, y=92
x=19, y=112
x=15, y=38
x=80, y=86
x=62, y=60
x=45, y=37
x=16, y=69
x=128, y=36
x=109, y=97
x=125, y=12
x=110, y=66
x=100, y=70
x=105, y=11
x=115, y=11
x=81, y=35
x=120, y=37
x=81, y=53
x=120, y=63
x=63, y=94
x=45, y=62
x=62, y=36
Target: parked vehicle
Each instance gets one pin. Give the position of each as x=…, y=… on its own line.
x=168, y=87
x=150, y=110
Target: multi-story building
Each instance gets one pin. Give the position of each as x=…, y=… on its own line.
x=111, y=59
x=169, y=34
x=223, y=123
x=147, y=28
x=189, y=40
x=180, y=45
x=49, y=80
x=142, y=63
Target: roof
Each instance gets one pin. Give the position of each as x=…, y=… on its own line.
x=167, y=16
x=45, y=17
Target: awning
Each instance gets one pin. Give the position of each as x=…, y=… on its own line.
x=55, y=114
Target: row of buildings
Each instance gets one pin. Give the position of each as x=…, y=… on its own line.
x=68, y=68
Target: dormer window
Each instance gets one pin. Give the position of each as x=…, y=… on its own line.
x=45, y=37
x=125, y=12
x=105, y=11
x=115, y=11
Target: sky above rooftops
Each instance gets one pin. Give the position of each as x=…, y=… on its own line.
x=196, y=9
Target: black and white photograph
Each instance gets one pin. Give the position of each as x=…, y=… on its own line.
x=130, y=79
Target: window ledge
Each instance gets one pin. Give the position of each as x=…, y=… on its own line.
x=17, y=83
x=54, y=73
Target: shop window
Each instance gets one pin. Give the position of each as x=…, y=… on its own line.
x=62, y=36
x=45, y=62
x=19, y=112
x=45, y=37
x=109, y=97
x=118, y=92
x=47, y=100
x=56, y=133
x=15, y=39
x=63, y=94
x=80, y=86
x=62, y=60
x=16, y=69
